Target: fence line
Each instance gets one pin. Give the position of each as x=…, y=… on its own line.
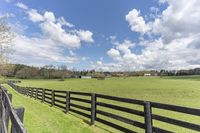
x=66, y=100
x=8, y=112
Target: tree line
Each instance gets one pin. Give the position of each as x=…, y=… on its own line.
x=195, y=71
x=46, y=72
x=62, y=72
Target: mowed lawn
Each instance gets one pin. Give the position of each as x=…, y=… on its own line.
x=183, y=91
x=41, y=118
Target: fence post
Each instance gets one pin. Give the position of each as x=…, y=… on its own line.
x=67, y=101
x=93, y=108
x=20, y=114
x=43, y=93
x=148, y=119
x=22, y=88
x=36, y=95
x=26, y=91
x=31, y=92
x=10, y=97
x=19, y=90
x=7, y=113
x=53, y=98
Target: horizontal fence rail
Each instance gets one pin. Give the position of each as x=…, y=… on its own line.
x=97, y=106
x=8, y=112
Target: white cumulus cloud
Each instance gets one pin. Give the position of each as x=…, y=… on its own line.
x=21, y=5
x=35, y=16
x=136, y=22
x=85, y=35
x=53, y=28
x=63, y=22
x=114, y=54
x=53, y=43
x=172, y=40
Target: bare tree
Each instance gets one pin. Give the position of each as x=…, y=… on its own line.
x=6, y=37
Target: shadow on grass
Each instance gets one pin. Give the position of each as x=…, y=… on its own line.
x=71, y=113
x=85, y=120
x=88, y=122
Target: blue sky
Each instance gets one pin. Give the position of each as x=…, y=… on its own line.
x=123, y=35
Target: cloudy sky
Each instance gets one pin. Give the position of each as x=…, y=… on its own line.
x=106, y=35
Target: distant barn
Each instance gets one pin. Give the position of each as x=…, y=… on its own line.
x=85, y=77
x=147, y=74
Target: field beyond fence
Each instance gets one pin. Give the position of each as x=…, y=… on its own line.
x=97, y=106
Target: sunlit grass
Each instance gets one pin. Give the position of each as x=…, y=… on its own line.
x=41, y=118
x=164, y=90
x=183, y=91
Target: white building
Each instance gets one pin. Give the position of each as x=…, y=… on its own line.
x=85, y=77
x=147, y=74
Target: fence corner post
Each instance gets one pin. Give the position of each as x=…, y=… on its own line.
x=67, y=101
x=20, y=114
x=93, y=108
x=10, y=97
x=7, y=113
x=148, y=119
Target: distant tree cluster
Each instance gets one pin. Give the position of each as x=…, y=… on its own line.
x=195, y=71
x=46, y=72
x=26, y=72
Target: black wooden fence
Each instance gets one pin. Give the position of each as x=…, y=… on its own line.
x=91, y=104
x=8, y=112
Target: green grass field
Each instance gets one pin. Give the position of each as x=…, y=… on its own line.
x=41, y=118
x=182, y=91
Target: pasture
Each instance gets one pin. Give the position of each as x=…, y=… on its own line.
x=182, y=91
